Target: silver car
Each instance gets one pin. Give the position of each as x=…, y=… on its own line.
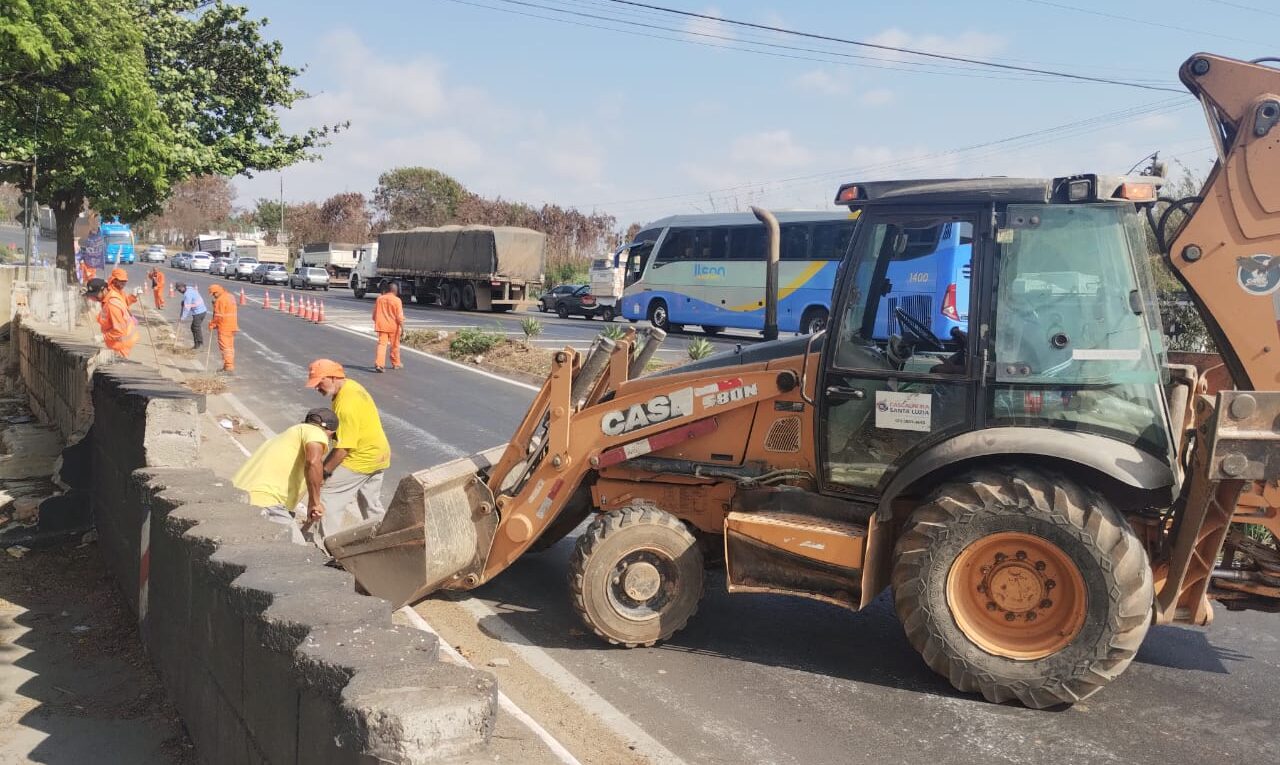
x=200, y=261
x=243, y=268
x=220, y=265
x=309, y=278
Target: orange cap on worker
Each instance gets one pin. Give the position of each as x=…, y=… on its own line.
x=216, y=289
x=119, y=275
x=322, y=368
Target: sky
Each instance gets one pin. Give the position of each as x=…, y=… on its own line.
x=560, y=101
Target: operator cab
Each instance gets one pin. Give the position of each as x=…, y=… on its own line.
x=1061, y=329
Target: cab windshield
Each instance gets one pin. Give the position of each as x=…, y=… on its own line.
x=1077, y=338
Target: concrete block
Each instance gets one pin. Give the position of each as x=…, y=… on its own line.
x=270, y=710
x=321, y=735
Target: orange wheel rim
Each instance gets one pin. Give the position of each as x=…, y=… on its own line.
x=1017, y=595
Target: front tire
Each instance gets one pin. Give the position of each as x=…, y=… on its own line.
x=562, y=310
x=1022, y=585
x=636, y=576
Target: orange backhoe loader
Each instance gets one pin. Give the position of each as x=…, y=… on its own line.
x=1037, y=489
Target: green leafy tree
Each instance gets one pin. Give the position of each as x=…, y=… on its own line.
x=75, y=96
x=116, y=123
x=417, y=196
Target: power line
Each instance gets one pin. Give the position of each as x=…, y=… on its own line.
x=896, y=49
x=683, y=35
x=1244, y=7
x=1136, y=20
x=983, y=149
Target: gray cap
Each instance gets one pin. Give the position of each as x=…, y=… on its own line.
x=324, y=417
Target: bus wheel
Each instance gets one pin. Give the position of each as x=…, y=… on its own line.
x=1022, y=585
x=658, y=315
x=711, y=331
x=814, y=320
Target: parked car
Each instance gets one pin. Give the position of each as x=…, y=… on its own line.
x=269, y=273
x=243, y=267
x=220, y=265
x=569, y=299
x=153, y=254
x=309, y=277
x=180, y=261
x=200, y=261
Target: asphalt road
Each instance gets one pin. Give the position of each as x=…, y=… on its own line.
x=16, y=236
x=766, y=679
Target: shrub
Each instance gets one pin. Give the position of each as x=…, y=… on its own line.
x=473, y=341
x=700, y=348
x=613, y=332
x=531, y=328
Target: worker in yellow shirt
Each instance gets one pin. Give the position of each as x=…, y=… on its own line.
x=353, y=470
x=278, y=471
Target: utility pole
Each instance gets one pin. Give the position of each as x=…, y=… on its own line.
x=280, y=236
x=32, y=216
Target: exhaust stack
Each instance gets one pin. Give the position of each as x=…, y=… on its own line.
x=771, y=272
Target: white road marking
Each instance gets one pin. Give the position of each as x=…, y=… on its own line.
x=563, y=679
x=564, y=755
x=449, y=362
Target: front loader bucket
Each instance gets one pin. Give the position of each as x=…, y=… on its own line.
x=436, y=533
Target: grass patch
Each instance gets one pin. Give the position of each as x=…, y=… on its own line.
x=422, y=339
x=210, y=385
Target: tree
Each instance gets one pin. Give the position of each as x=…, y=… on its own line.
x=1184, y=328
x=196, y=204
x=417, y=196
x=75, y=97
x=116, y=123
x=346, y=218
x=266, y=216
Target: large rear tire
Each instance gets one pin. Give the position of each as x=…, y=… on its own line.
x=455, y=297
x=636, y=576
x=1022, y=585
x=468, y=297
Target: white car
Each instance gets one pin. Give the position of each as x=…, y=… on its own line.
x=200, y=261
x=154, y=254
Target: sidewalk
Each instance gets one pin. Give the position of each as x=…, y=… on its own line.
x=75, y=686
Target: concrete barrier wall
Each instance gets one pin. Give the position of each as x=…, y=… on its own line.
x=270, y=656
x=41, y=293
x=56, y=369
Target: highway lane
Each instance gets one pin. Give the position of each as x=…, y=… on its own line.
x=783, y=680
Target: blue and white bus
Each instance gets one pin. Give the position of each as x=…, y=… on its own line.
x=709, y=270
x=119, y=242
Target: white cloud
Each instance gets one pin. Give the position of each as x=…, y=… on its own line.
x=769, y=149
x=823, y=82
x=969, y=44
x=876, y=97
x=413, y=111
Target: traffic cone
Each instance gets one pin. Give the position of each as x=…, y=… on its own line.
x=315, y=311
x=283, y=305
x=293, y=306
x=306, y=310
x=320, y=320
x=171, y=293
x=243, y=300
x=266, y=299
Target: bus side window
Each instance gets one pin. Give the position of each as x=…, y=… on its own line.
x=795, y=241
x=678, y=246
x=746, y=243
x=831, y=240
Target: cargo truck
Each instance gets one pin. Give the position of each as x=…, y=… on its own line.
x=472, y=268
x=339, y=259
x=264, y=253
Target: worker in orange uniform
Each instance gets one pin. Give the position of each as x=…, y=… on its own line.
x=119, y=328
x=156, y=277
x=119, y=282
x=226, y=323
x=87, y=272
x=388, y=322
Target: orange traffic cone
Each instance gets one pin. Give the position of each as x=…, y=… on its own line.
x=306, y=309
x=321, y=319
x=315, y=311
x=283, y=305
x=266, y=299
x=171, y=293
x=243, y=300
x=293, y=306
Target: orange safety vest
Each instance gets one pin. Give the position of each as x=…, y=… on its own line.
x=388, y=313
x=225, y=316
x=129, y=300
x=119, y=328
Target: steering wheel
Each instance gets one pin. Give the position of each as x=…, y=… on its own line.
x=918, y=330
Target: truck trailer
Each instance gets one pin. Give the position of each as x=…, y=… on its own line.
x=472, y=268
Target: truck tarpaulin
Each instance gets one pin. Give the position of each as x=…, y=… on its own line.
x=474, y=252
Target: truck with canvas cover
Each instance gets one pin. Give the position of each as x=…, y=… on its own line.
x=1038, y=487
x=472, y=268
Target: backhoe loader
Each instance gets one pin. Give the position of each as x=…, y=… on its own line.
x=1036, y=489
